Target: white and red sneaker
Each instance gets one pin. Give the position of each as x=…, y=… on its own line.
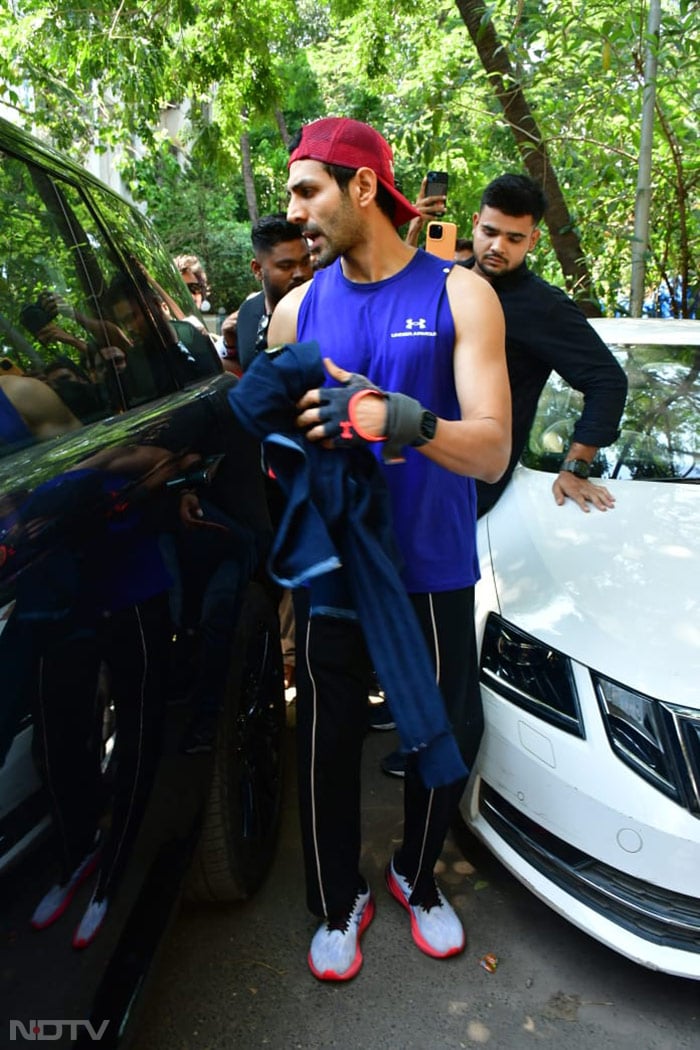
x=435, y=926
x=335, y=953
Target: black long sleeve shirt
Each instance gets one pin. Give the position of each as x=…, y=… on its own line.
x=250, y=312
x=547, y=332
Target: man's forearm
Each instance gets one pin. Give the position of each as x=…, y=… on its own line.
x=476, y=448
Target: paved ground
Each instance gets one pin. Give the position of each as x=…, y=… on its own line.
x=237, y=978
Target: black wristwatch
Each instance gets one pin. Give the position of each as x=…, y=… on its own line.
x=580, y=468
x=428, y=426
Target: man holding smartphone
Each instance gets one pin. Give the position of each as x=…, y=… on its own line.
x=438, y=391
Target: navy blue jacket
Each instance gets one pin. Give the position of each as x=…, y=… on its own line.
x=335, y=533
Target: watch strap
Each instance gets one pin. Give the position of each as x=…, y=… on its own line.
x=580, y=468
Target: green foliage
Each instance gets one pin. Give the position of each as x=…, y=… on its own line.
x=113, y=66
x=196, y=214
x=409, y=69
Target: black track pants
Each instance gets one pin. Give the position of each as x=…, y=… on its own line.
x=333, y=675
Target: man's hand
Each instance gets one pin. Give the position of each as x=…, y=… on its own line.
x=581, y=491
x=55, y=304
x=430, y=208
x=115, y=354
x=229, y=328
x=53, y=333
x=340, y=417
x=190, y=511
x=192, y=515
x=358, y=413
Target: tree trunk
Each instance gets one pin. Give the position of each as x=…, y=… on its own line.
x=533, y=150
x=642, y=203
x=248, y=180
x=282, y=125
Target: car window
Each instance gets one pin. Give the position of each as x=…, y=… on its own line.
x=160, y=281
x=87, y=328
x=660, y=428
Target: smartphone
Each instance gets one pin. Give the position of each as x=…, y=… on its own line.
x=441, y=238
x=436, y=183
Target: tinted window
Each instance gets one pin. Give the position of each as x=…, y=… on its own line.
x=87, y=329
x=159, y=281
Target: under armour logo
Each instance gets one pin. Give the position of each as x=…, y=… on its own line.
x=346, y=432
x=410, y=323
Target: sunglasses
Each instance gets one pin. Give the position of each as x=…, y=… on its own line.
x=195, y=287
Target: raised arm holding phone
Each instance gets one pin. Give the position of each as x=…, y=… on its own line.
x=431, y=204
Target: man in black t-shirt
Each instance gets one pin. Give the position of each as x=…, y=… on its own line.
x=281, y=263
x=545, y=332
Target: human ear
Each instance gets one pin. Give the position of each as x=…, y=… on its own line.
x=364, y=185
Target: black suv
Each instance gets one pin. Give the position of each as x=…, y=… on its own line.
x=142, y=704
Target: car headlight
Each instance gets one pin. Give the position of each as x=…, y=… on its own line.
x=530, y=674
x=641, y=732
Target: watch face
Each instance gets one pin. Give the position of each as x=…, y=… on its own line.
x=428, y=426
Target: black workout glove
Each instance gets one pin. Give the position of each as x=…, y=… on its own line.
x=337, y=413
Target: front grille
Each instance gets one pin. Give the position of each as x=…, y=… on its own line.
x=660, y=916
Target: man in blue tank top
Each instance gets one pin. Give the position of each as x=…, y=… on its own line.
x=414, y=350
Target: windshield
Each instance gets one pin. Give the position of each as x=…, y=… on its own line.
x=660, y=429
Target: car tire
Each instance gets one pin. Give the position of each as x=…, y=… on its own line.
x=239, y=835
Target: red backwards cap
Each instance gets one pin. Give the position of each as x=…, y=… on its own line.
x=352, y=144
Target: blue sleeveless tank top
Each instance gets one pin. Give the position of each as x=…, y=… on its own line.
x=399, y=332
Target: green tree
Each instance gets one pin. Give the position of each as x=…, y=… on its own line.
x=259, y=70
x=577, y=71
x=198, y=214
x=74, y=67
x=581, y=71
x=531, y=145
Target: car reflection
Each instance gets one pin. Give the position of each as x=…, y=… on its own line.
x=114, y=562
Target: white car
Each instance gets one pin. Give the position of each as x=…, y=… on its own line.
x=587, y=783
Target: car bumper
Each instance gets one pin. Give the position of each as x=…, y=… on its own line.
x=588, y=836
